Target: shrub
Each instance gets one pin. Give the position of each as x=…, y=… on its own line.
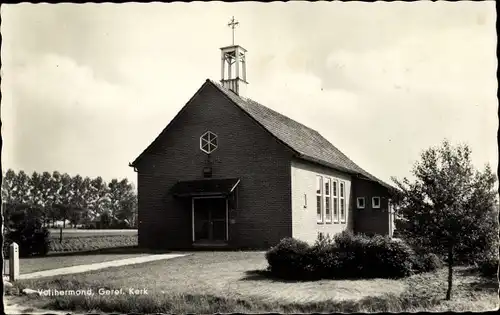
x=325, y=257
x=346, y=239
x=32, y=241
x=345, y=256
x=386, y=258
x=376, y=256
x=27, y=231
x=324, y=242
x=291, y=259
x=488, y=267
x=426, y=262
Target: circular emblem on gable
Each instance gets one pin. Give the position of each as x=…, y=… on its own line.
x=208, y=142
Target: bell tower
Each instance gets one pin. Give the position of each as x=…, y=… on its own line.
x=233, y=65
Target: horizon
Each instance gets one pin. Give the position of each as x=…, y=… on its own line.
x=389, y=85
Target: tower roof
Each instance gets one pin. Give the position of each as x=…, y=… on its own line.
x=233, y=47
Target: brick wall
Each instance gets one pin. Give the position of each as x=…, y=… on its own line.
x=304, y=220
x=245, y=151
x=369, y=219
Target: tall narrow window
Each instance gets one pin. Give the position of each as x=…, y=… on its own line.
x=335, y=193
x=319, y=199
x=342, y=203
x=376, y=202
x=328, y=205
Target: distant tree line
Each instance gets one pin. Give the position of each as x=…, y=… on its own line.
x=81, y=201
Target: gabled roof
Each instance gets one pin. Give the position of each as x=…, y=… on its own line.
x=305, y=142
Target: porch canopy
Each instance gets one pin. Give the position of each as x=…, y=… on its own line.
x=205, y=187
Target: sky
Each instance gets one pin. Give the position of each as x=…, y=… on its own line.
x=87, y=87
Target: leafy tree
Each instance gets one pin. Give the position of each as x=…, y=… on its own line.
x=39, y=195
x=123, y=201
x=65, y=197
x=76, y=216
x=115, y=192
x=35, y=190
x=8, y=194
x=449, y=208
x=97, y=197
x=55, y=184
x=21, y=189
x=105, y=219
x=45, y=195
x=15, y=193
x=78, y=202
x=81, y=211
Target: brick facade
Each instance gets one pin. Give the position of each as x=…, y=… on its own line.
x=246, y=151
x=371, y=220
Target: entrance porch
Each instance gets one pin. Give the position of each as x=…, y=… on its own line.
x=211, y=200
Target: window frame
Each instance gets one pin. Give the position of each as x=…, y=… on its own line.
x=357, y=203
x=210, y=140
x=379, y=202
x=327, y=196
x=343, y=219
x=319, y=194
x=335, y=201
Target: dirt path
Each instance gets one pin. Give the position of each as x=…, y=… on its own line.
x=96, y=266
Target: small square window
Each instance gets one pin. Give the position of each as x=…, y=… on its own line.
x=376, y=202
x=360, y=202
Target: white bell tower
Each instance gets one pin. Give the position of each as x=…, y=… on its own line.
x=233, y=66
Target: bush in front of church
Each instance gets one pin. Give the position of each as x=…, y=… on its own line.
x=291, y=259
x=345, y=256
x=373, y=256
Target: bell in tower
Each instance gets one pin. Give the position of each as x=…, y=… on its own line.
x=233, y=66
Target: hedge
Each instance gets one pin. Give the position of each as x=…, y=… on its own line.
x=32, y=241
x=347, y=256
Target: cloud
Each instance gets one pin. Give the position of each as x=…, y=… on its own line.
x=62, y=116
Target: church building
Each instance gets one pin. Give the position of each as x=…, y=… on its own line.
x=228, y=172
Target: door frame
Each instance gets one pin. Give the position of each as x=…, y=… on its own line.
x=209, y=197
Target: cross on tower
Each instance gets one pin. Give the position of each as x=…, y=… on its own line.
x=233, y=23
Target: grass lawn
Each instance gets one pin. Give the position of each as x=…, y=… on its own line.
x=208, y=282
